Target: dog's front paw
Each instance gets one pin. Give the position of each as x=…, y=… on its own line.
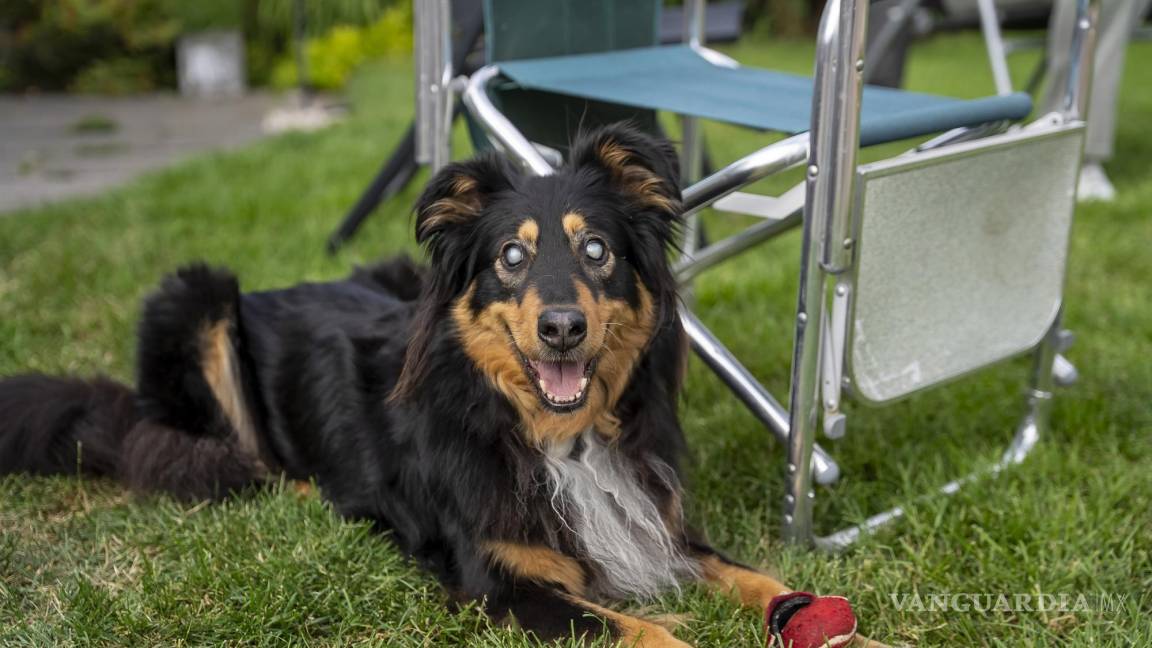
x=652, y=636
x=803, y=620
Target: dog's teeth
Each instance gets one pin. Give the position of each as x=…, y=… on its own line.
x=563, y=400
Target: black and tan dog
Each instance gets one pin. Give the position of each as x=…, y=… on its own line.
x=508, y=413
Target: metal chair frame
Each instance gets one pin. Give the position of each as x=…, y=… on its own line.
x=823, y=207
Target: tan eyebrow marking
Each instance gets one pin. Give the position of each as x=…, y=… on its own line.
x=574, y=224
x=529, y=231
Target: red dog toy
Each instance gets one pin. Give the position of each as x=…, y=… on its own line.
x=803, y=620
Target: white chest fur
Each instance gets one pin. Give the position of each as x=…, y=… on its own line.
x=596, y=493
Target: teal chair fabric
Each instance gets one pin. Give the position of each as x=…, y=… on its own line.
x=529, y=29
x=518, y=29
x=678, y=79
x=578, y=63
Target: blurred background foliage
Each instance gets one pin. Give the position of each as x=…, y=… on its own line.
x=123, y=46
x=342, y=47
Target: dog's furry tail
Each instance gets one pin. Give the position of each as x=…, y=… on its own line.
x=187, y=430
x=54, y=426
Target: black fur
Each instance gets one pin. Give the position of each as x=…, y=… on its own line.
x=52, y=426
x=442, y=466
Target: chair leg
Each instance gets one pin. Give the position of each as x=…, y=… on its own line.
x=391, y=178
x=1032, y=428
x=745, y=386
x=804, y=400
x=1035, y=423
x=1063, y=371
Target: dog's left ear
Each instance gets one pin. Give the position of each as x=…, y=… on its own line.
x=643, y=168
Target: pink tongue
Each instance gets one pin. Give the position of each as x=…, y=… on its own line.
x=561, y=379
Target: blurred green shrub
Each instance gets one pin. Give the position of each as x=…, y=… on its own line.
x=277, y=17
x=115, y=76
x=201, y=15
x=335, y=55
x=129, y=45
x=49, y=43
x=270, y=24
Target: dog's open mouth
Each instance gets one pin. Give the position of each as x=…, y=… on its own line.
x=563, y=384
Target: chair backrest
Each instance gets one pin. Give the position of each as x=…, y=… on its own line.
x=960, y=257
x=519, y=29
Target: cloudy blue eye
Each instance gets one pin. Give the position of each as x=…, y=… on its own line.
x=595, y=250
x=512, y=255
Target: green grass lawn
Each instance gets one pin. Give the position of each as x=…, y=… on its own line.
x=84, y=563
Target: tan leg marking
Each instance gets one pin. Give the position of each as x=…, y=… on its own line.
x=746, y=586
x=222, y=373
x=539, y=564
x=635, y=632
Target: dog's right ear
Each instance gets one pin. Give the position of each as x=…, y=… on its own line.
x=454, y=198
x=458, y=193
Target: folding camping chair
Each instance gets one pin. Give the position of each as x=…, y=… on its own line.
x=934, y=263
x=526, y=30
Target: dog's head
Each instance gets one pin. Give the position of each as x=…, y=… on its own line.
x=555, y=285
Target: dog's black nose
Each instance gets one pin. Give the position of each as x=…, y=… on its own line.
x=562, y=328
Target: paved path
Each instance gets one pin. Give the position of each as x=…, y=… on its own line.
x=44, y=156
